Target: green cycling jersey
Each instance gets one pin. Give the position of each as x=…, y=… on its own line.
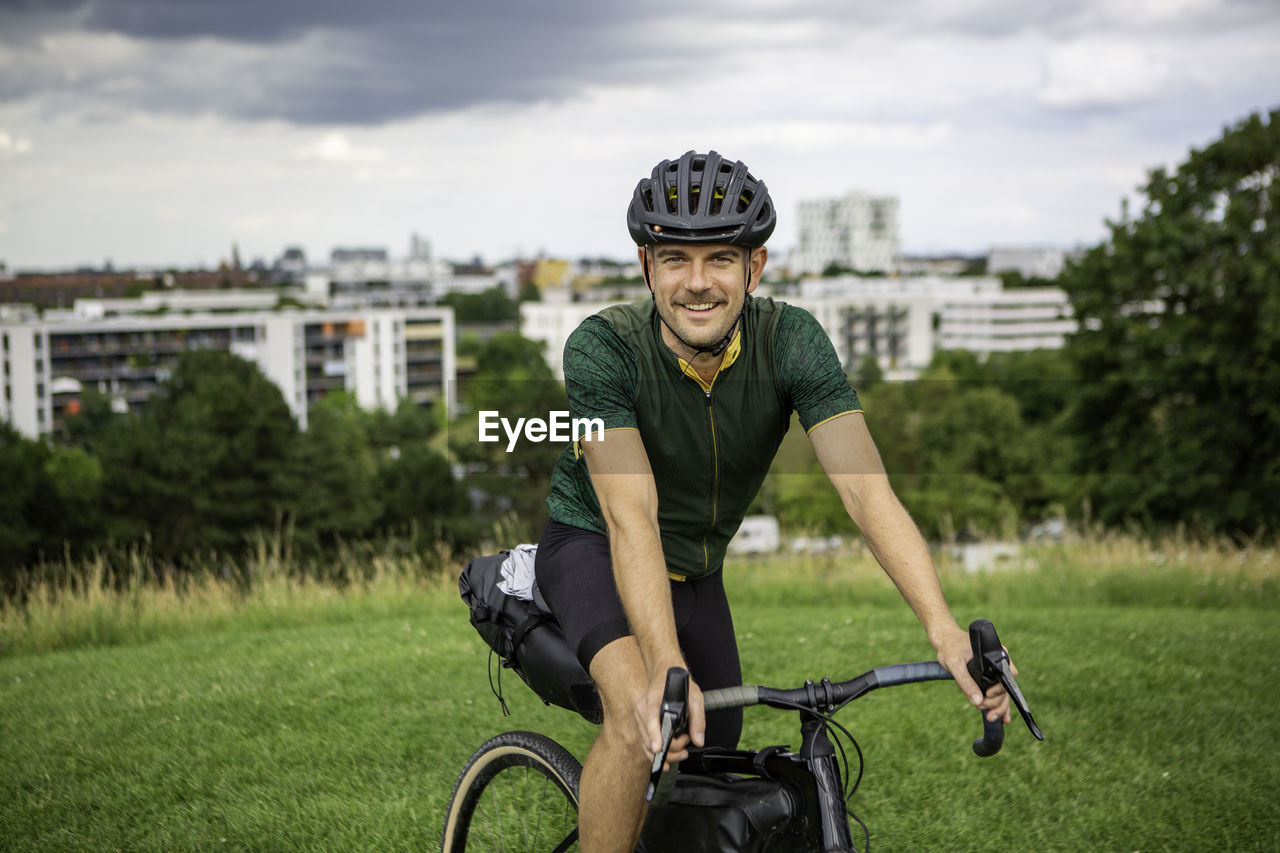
x=709, y=445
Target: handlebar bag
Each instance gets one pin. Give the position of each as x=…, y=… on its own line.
x=527, y=640
x=726, y=813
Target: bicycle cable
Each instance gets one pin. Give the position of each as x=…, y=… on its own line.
x=834, y=730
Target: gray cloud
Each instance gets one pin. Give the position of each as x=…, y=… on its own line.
x=335, y=61
x=317, y=62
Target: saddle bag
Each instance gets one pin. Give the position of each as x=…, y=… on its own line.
x=527, y=639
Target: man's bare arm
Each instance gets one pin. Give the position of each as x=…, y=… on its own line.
x=628, y=496
x=849, y=457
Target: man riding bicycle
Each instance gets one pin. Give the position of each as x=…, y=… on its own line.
x=696, y=388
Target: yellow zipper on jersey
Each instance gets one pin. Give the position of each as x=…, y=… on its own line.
x=715, y=482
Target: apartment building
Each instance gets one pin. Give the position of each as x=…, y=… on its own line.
x=1015, y=320
x=900, y=322
x=858, y=232
x=381, y=356
x=1029, y=262
x=359, y=278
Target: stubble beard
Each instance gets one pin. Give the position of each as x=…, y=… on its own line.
x=699, y=339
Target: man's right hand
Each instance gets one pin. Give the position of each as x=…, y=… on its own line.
x=648, y=717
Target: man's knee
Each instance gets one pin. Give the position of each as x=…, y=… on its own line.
x=619, y=675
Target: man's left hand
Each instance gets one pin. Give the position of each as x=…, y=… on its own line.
x=954, y=652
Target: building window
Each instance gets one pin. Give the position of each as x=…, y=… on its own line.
x=39, y=390
x=5, y=336
x=39, y=341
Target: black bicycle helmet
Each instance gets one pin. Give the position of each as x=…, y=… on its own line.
x=671, y=206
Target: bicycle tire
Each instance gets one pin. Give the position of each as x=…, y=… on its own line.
x=518, y=791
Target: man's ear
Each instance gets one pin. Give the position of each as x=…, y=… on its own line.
x=759, y=257
x=642, y=252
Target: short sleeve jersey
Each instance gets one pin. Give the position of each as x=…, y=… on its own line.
x=709, y=446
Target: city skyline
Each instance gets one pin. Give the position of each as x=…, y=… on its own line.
x=155, y=134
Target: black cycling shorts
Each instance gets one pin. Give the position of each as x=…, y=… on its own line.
x=575, y=576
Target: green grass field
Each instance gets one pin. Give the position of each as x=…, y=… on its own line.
x=301, y=718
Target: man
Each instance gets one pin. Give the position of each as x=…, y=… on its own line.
x=696, y=388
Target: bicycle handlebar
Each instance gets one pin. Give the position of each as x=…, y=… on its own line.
x=989, y=666
x=829, y=695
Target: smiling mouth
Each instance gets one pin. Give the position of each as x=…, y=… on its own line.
x=700, y=307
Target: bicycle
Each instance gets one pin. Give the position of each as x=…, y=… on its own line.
x=519, y=790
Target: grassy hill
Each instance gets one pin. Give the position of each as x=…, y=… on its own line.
x=297, y=716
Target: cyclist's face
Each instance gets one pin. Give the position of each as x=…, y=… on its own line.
x=699, y=290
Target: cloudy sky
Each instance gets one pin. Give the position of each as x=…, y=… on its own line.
x=162, y=132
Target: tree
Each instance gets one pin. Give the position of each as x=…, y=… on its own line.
x=513, y=379
x=204, y=465
x=1179, y=343
x=335, y=498
x=868, y=375
x=490, y=306
x=21, y=468
x=48, y=505
x=414, y=482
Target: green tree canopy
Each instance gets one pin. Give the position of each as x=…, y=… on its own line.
x=1179, y=342
x=491, y=306
x=335, y=491
x=513, y=379
x=206, y=462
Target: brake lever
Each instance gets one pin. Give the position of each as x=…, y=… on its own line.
x=990, y=666
x=675, y=720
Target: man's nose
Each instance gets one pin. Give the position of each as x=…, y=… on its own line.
x=698, y=277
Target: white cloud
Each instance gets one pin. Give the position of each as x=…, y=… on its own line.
x=336, y=148
x=1101, y=71
x=13, y=146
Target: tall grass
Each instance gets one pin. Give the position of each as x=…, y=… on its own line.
x=1177, y=569
x=134, y=598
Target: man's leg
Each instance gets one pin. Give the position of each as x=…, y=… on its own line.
x=611, y=808
x=575, y=576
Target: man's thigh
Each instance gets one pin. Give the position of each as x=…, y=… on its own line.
x=574, y=573
x=575, y=576
x=704, y=626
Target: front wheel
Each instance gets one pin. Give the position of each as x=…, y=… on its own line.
x=519, y=791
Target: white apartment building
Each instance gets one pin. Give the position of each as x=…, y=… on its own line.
x=858, y=231
x=551, y=322
x=368, y=278
x=1009, y=321
x=900, y=322
x=1031, y=262
x=381, y=356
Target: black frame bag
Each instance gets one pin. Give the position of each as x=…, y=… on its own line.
x=724, y=813
x=527, y=640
